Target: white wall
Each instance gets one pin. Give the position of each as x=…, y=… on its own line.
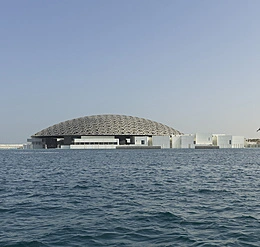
x=141, y=140
x=96, y=139
x=163, y=141
x=93, y=146
x=95, y=142
x=229, y=141
x=224, y=141
x=221, y=140
x=65, y=146
x=176, y=141
x=187, y=141
x=203, y=139
x=12, y=146
x=238, y=142
x=183, y=141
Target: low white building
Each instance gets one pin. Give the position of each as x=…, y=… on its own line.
x=162, y=141
x=183, y=141
x=94, y=142
x=228, y=141
x=238, y=142
x=207, y=140
x=176, y=141
x=223, y=141
x=192, y=140
x=140, y=140
x=204, y=139
x=11, y=146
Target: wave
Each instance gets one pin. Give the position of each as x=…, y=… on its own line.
x=27, y=244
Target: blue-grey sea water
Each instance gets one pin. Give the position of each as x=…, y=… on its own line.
x=130, y=197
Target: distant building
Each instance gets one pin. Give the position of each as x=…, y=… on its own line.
x=252, y=143
x=207, y=140
x=104, y=132
x=11, y=146
x=183, y=141
x=119, y=131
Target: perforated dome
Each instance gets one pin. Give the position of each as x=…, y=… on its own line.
x=109, y=125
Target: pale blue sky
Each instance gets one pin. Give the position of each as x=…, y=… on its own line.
x=191, y=64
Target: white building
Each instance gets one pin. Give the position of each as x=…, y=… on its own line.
x=119, y=131
x=104, y=131
x=176, y=141
x=238, y=142
x=192, y=140
x=162, y=141
x=223, y=141
x=140, y=140
x=183, y=141
x=11, y=146
x=204, y=139
x=207, y=140
x=94, y=142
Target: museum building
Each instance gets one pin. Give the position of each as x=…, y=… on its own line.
x=104, y=132
x=120, y=131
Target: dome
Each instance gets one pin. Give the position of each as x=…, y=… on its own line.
x=107, y=125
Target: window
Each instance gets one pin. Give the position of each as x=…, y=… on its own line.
x=230, y=142
x=142, y=142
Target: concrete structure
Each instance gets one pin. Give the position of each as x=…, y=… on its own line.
x=238, y=142
x=162, y=141
x=183, y=141
x=228, y=141
x=207, y=140
x=176, y=141
x=11, y=146
x=94, y=142
x=203, y=139
x=139, y=140
x=103, y=131
x=223, y=141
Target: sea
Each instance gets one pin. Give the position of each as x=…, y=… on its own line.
x=173, y=197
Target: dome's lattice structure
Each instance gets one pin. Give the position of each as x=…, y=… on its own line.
x=107, y=125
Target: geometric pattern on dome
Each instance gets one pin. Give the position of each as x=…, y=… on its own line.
x=111, y=125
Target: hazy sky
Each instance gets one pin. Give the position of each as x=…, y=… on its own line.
x=192, y=65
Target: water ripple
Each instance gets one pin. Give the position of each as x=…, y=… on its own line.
x=130, y=198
